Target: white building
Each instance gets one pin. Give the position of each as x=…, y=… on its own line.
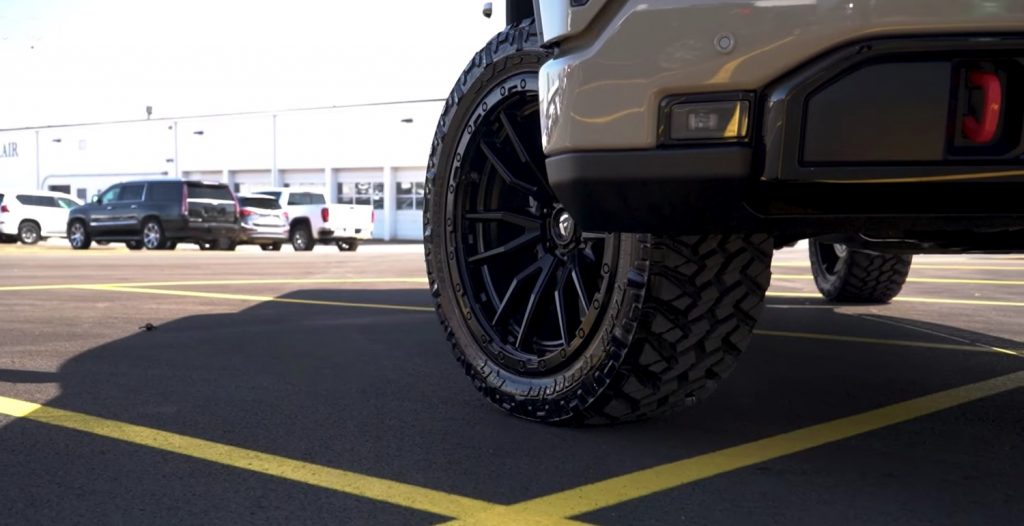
x=372, y=154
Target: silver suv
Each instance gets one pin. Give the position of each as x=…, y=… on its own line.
x=608, y=181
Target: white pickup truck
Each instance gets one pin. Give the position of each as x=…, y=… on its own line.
x=313, y=221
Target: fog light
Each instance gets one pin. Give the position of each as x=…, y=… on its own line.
x=709, y=120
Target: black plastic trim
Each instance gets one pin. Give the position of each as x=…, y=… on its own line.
x=652, y=190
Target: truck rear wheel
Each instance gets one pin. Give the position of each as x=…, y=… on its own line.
x=844, y=274
x=348, y=245
x=552, y=323
x=302, y=238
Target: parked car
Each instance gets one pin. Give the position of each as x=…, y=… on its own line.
x=157, y=214
x=313, y=221
x=33, y=216
x=264, y=221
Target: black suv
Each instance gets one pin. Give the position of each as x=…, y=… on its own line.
x=157, y=215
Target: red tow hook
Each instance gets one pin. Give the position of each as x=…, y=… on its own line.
x=983, y=130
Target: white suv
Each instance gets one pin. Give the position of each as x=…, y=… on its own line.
x=32, y=216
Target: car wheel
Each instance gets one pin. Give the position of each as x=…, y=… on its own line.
x=28, y=233
x=302, y=239
x=272, y=247
x=348, y=245
x=134, y=245
x=103, y=243
x=844, y=274
x=552, y=323
x=171, y=245
x=153, y=235
x=226, y=244
x=78, y=236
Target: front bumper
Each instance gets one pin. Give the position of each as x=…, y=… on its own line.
x=616, y=61
x=866, y=138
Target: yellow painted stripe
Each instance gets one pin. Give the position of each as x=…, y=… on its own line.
x=412, y=280
x=918, y=266
x=379, y=489
x=808, y=277
x=257, y=299
x=617, y=490
x=911, y=299
x=879, y=341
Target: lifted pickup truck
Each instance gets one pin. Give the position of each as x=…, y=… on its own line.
x=609, y=178
x=313, y=221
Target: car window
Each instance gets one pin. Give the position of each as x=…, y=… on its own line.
x=111, y=195
x=217, y=192
x=275, y=195
x=64, y=202
x=163, y=192
x=297, y=199
x=265, y=203
x=132, y=192
x=316, y=199
x=37, y=200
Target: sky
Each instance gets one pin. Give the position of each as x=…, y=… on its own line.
x=76, y=61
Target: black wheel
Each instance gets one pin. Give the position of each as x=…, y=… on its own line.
x=302, y=239
x=205, y=245
x=28, y=232
x=171, y=245
x=843, y=274
x=134, y=245
x=153, y=235
x=226, y=244
x=348, y=245
x=78, y=236
x=552, y=323
x=272, y=247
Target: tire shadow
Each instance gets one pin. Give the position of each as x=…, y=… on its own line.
x=377, y=392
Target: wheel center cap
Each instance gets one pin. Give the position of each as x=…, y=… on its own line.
x=563, y=227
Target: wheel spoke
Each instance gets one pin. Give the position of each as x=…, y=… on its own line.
x=523, y=153
x=518, y=242
x=531, y=305
x=507, y=217
x=513, y=286
x=581, y=289
x=505, y=173
x=563, y=322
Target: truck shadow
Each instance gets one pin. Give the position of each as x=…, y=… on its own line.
x=377, y=392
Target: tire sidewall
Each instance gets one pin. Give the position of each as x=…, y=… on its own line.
x=304, y=232
x=161, y=242
x=31, y=228
x=828, y=284
x=549, y=397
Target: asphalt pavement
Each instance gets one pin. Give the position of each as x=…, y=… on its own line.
x=295, y=388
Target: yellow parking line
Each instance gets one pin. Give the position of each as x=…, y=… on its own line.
x=258, y=299
x=417, y=280
x=379, y=489
x=617, y=490
x=879, y=341
x=911, y=299
x=917, y=266
x=808, y=277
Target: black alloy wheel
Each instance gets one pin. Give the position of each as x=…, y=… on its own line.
x=551, y=322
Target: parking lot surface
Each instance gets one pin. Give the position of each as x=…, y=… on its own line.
x=317, y=388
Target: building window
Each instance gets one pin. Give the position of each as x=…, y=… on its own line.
x=362, y=194
x=409, y=196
